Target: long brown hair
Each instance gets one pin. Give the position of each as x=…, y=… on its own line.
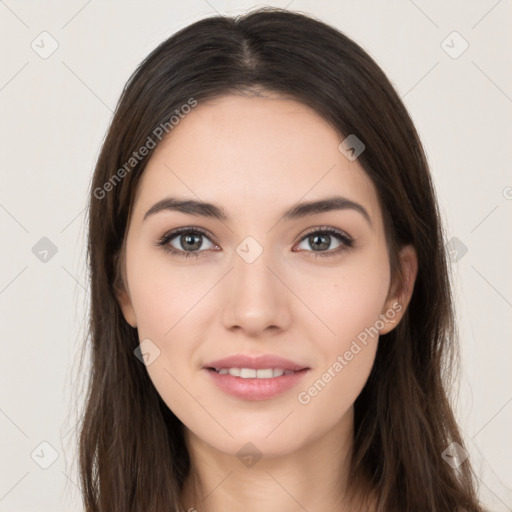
x=132, y=455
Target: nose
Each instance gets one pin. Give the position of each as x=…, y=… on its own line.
x=257, y=299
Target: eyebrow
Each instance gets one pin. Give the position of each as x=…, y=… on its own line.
x=209, y=210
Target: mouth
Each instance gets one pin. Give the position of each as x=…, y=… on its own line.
x=255, y=378
x=252, y=373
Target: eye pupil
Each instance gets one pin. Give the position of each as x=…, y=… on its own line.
x=189, y=240
x=314, y=240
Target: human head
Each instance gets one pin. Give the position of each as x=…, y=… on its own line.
x=287, y=55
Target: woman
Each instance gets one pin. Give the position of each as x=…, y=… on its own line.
x=270, y=302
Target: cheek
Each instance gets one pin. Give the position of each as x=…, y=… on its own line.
x=349, y=298
x=349, y=302
x=163, y=300
x=162, y=293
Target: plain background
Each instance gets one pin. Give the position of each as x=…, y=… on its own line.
x=55, y=112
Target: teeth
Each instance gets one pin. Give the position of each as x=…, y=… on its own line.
x=247, y=373
x=251, y=373
x=265, y=374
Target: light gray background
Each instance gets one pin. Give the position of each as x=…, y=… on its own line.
x=55, y=112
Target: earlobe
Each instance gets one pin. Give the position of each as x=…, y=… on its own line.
x=401, y=293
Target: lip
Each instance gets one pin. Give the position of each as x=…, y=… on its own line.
x=255, y=362
x=255, y=389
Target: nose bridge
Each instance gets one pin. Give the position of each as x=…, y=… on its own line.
x=251, y=264
x=258, y=297
x=251, y=272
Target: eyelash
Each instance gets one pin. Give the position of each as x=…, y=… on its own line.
x=347, y=242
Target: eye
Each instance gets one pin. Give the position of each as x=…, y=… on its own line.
x=321, y=238
x=185, y=242
x=188, y=242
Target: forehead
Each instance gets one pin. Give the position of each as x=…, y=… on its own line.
x=253, y=154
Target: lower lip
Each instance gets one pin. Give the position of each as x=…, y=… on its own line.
x=255, y=389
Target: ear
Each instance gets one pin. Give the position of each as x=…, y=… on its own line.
x=121, y=290
x=400, y=290
x=125, y=303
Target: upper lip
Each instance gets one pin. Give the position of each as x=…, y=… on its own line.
x=256, y=362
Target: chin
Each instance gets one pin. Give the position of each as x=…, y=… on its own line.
x=260, y=439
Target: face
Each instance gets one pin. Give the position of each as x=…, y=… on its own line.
x=273, y=292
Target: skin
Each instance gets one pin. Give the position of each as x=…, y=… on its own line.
x=256, y=157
